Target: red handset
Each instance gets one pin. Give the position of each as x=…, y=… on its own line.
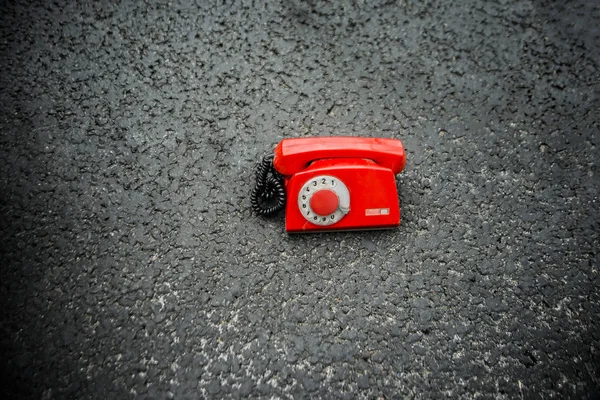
x=332, y=183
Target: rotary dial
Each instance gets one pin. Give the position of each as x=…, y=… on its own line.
x=324, y=200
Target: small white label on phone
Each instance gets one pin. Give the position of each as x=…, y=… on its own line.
x=377, y=211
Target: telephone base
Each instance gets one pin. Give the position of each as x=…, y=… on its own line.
x=367, y=195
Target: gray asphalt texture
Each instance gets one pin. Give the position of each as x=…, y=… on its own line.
x=132, y=265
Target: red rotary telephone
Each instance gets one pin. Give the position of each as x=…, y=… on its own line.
x=331, y=183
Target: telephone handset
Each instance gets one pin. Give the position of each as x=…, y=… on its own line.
x=331, y=183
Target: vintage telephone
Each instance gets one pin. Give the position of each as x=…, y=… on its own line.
x=331, y=183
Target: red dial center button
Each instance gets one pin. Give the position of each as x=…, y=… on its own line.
x=324, y=202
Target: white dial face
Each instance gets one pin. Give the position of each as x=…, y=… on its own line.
x=324, y=182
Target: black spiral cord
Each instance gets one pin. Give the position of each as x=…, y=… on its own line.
x=268, y=197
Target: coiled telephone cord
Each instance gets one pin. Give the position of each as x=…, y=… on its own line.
x=268, y=196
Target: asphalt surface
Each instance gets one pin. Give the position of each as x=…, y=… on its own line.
x=132, y=265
